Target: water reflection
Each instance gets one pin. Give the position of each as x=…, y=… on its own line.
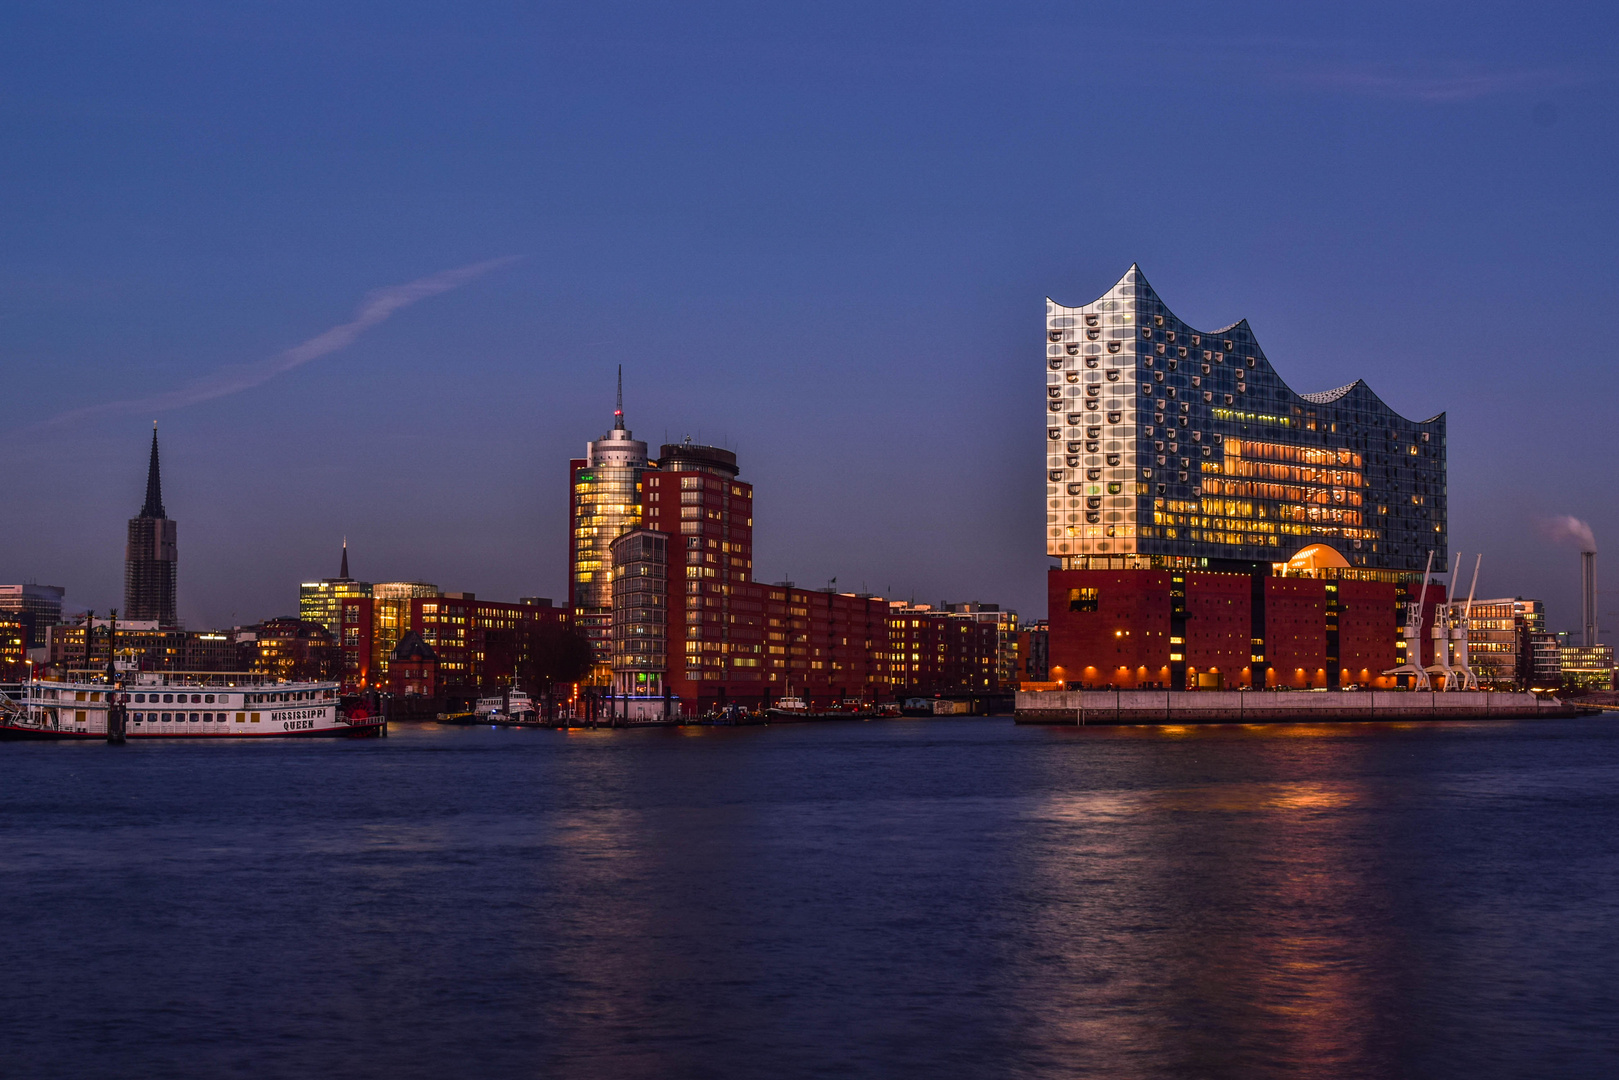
x=1210, y=922
x=928, y=898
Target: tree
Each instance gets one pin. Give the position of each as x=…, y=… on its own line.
x=550, y=653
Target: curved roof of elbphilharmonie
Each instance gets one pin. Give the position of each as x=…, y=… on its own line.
x=1355, y=395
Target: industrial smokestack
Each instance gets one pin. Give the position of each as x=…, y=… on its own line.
x=1588, y=594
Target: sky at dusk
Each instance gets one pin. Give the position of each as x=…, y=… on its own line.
x=372, y=268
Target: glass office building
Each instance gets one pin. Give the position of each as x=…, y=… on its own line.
x=1169, y=446
x=605, y=504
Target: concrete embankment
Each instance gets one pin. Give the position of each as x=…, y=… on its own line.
x=1267, y=707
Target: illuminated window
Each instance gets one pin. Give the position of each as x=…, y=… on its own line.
x=1083, y=599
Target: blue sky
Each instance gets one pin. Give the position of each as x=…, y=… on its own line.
x=821, y=235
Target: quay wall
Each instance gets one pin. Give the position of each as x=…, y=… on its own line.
x=1262, y=707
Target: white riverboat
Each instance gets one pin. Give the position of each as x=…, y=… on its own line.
x=512, y=707
x=192, y=705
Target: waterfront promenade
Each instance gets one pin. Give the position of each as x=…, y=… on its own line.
x=1271, y=707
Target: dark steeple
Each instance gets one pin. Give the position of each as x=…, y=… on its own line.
x=343, y=573
x=154, y=484
x=151, y=556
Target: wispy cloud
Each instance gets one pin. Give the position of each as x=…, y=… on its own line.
x=1434, y=83
x=379, y=305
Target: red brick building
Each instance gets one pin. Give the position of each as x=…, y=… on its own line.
x=477, y=644
x=1294, y=625
x=688, y=620
x=941, y=652
x=706, y=633
x=412, y=668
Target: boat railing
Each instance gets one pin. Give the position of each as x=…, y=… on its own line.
x=18, y=714
x=183, y=678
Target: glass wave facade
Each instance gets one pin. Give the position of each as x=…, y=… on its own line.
x=1164, y=443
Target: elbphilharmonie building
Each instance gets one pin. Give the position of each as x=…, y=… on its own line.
x=1173, y=447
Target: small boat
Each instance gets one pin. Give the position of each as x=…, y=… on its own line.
x=511, y=707
x=792, y=709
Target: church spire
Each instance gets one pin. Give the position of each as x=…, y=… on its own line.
x=343, y=574
x=154, y=484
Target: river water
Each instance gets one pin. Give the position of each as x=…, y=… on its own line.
x=932, y=898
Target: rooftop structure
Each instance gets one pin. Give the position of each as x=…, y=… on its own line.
x=1169, y=446
x=151, y=555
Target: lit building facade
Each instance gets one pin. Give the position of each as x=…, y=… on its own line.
x=716, y=623
x=1164, y=442
x=604, y=504
x=1215, y=529
x=950, y=650
x=389, y=622
x=38, y=608
x=641, y=613
x=139, y=646
x=14, y=631
x=322, y=601
x=1587, y=667
x=1500, y=641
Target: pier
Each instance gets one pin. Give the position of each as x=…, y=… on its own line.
x=1272, y=707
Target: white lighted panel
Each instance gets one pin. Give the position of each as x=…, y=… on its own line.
x=1091, y=410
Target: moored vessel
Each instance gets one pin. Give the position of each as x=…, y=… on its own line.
x=511, y=707
x=792, y=709
x=189, y=705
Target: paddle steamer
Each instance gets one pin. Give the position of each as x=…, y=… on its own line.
x=159, y=705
